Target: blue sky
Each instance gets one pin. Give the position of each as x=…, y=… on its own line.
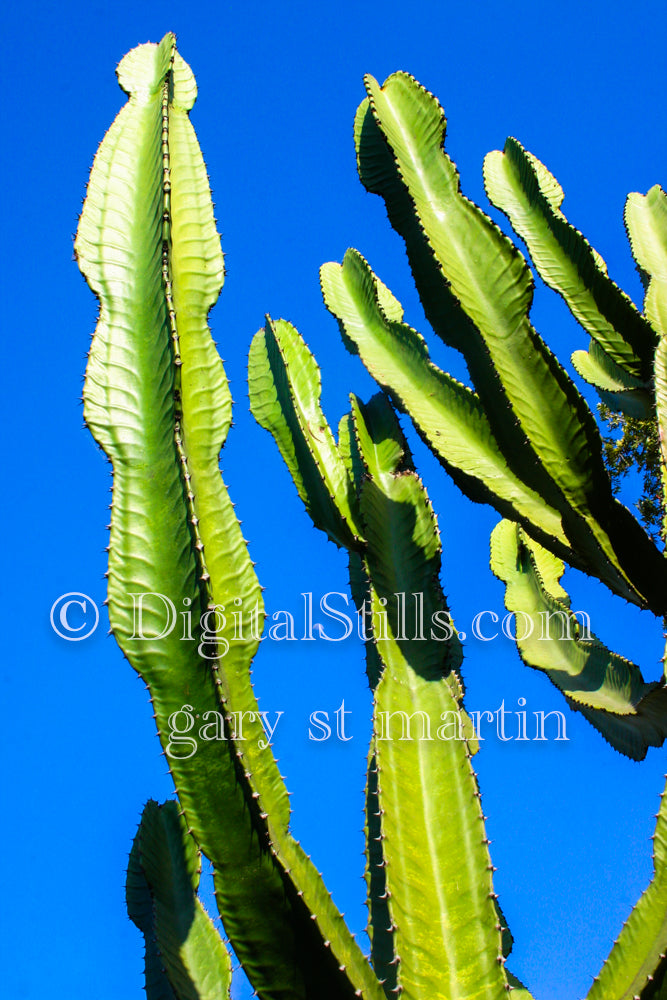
x=578, y=85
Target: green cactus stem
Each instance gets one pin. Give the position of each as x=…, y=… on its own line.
x=636, y=968
x=476, y=290
x=427, y=853
x=185, y=957
x=608, y=689
x=531, y=197
x=156, y=400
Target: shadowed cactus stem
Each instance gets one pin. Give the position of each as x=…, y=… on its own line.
x=185, y=956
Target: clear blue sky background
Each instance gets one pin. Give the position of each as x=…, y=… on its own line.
x=582, y=86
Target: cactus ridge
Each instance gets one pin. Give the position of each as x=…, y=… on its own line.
x=380, y=926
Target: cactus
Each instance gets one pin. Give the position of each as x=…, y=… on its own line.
x=422, y=797
x=524, y=439
x=157, y=403
x=185, y=957
x=637, y=964
x=605, y=687
x=429, y=866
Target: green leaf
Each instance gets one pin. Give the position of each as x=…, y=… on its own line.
x=185, y=956
x=521, y=186
x=608, y=689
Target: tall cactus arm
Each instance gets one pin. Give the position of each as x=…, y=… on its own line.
x=484, y=273
x=388, y=451
x=646, y=222
x=521, y=186
x=617, y=390
x=476, y=290
x=446, y=928
x=418, y=781
x=156, y=401
x=636, y=968
x=284, y=386
x=448, y=416
x=608, y=689
x=185, y=956
x=131, y=406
